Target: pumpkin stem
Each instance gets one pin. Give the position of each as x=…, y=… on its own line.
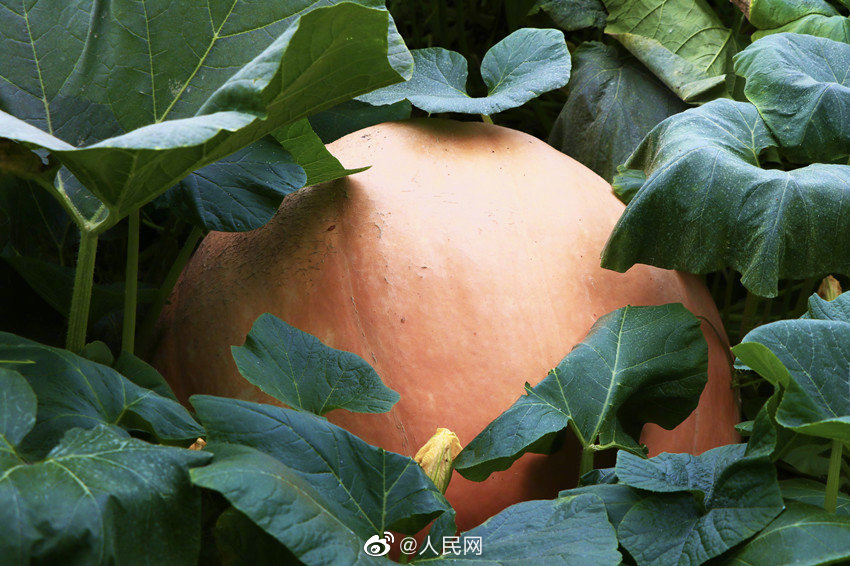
x=586, y=463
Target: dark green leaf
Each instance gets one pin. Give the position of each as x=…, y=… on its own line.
x=813, y=493
x=363, y=489
x=618, y=498
x=701, y=505
x=801, y=535
x=683, y=42
x=567, y=530
x=296, y=368
x=837, y=309
x=289, y=506
x=240, y=542
x=613, y=103
x=355, y=115
x=139, y=372
x=801, y=87
x=706, y=204
x=571, y=15
x=811, y=17
x=309, y=151
x=240, y=192
x=522, y=66
x=17, y=415
x=816, y=355
x=636, y=365
x=100, y=497
x=76, y=392
x=141, y=110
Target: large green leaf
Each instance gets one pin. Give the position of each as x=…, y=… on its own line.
x=836, y=309
x=683, y=42
x=618, y=498
x=100, y=497
x=813, y=493
x=364, y=489
x=613, y=102
x=75, y=392
x=133, y=97
x=240, y=542
x=636, y=365
x=522, y=66
x=803, y=535
x=700, y=506
x=17, y=415
x=707, y=204
x=285, y=504
x=567, y=530
x=571, y=15
x=296, y=368
x=811, y=17
x=240, y=192
x=801, y=87
x=816, y=358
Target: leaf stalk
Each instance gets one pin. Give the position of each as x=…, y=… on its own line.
x=131, y=284
x=81, y=298
x=831, y=498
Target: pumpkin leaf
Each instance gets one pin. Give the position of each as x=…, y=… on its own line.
x=522, y=66
x=801, y=87
x=112, y=500
x=567, y=530
x=613, y=102
x=810, y=17
x=142, y=374
x=700, y=506
x=310, y=153
x=354, y=115
x=813, y=493
x=75, y=392
x=239, y=192
x=572, y=15
x=838, y=309
x=17, y=415
x=298, y=369
x=293, y=464
x=636, y=365
x=816, y=355
x=240, y=542
x=618, y=498
x=285, y=505
x=683, y=42
x=129, y=112
x=802, y=534
x=707, y=204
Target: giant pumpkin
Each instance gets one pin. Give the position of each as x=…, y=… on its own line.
x=462, y=264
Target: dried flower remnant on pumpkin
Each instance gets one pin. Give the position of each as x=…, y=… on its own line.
x=437, y=457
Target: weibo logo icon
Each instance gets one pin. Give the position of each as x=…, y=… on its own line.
x=378, y=545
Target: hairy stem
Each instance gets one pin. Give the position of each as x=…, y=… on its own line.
x=831, y=499
x=78, y=318
x=131, y=284
x=146, y=330
x=486, y=118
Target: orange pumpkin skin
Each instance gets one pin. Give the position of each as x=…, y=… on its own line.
x=462, y=264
